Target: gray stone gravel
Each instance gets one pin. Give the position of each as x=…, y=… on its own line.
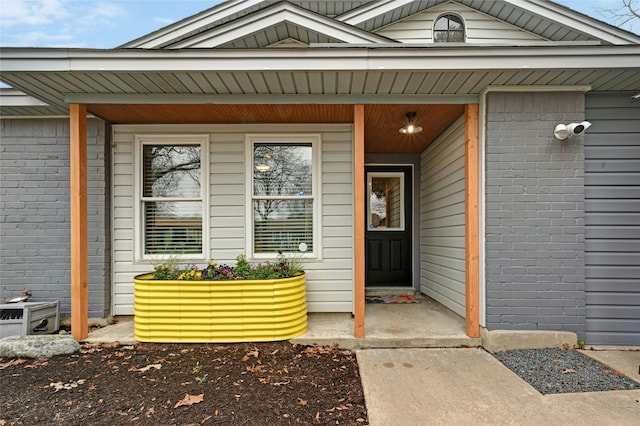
x=44, y=346
x=552, y=371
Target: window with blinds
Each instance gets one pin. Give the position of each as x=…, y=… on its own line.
x=283, y=199
x=172, y=198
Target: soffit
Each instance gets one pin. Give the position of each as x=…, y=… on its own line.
x=58, y=77
x=277, y=33
x=61, y=88
x=381, y=121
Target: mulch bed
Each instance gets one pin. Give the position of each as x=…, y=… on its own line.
x=185, y=384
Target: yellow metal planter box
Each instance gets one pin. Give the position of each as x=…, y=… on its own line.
x=219, y=311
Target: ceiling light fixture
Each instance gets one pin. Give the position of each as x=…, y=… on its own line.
x=410, y=127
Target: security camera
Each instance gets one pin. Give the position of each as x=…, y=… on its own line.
x=564, y=131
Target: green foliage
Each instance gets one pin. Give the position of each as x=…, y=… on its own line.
x=283, y=267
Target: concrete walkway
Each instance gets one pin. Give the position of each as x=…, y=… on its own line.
x=470, y=387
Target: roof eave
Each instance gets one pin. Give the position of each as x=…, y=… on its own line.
x=578, y=21
x=319, y=59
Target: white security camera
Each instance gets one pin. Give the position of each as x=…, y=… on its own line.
x=564, y=131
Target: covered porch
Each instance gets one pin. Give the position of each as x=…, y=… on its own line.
x=375, y=131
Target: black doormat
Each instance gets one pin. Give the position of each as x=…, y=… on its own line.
x=392, y=299
x=552, y=371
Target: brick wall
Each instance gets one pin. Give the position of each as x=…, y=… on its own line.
x=34, y=212
x=535, y=271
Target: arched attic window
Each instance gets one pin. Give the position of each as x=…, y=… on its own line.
x=449, y=29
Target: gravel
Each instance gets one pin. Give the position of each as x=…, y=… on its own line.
x=552, y=371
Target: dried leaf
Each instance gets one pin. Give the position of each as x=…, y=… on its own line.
x=568, y=371
x=150, y=412
x=256, y=369
x=11, y=363
x=149, y=367
x=67, y=386
x=254, y=353
x=189, y=400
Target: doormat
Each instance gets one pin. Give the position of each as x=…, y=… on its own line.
x=392, y=299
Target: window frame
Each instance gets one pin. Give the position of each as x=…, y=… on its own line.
x=316, y=165
x=446, y=14
x=140, y=141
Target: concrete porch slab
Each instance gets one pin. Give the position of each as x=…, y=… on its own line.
x=422, y=325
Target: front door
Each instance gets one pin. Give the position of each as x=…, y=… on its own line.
x=388, y=235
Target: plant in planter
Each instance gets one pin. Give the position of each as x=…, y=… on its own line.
x=221, y=303
x=285, y=267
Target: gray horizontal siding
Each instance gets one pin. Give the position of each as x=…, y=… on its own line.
x=329, y=279
x=612, y=220
x=442, y=250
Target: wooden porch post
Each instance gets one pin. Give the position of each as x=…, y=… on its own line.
x=472, y=221
x=358, y=205
x=79, y=227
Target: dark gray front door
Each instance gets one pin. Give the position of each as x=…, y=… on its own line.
x=388, y=235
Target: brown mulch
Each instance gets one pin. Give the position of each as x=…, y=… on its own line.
x=185, y=384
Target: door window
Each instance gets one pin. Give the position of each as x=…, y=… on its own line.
x=386, y=201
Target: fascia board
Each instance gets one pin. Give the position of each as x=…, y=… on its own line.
x=268, y=17
x=577, y=21
x=354, y=59
x=370, y=11
x=13, y=97
x=184, y=27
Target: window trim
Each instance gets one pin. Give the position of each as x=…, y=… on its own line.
x=315, y=140
x=140, y=140
x=442, y=15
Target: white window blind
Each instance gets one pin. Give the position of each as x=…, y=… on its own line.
x=172, y=201
x=283, y=198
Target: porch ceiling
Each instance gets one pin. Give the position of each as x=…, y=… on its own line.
x=381, y=121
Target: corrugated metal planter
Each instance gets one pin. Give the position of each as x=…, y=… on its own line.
x=219, y=311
